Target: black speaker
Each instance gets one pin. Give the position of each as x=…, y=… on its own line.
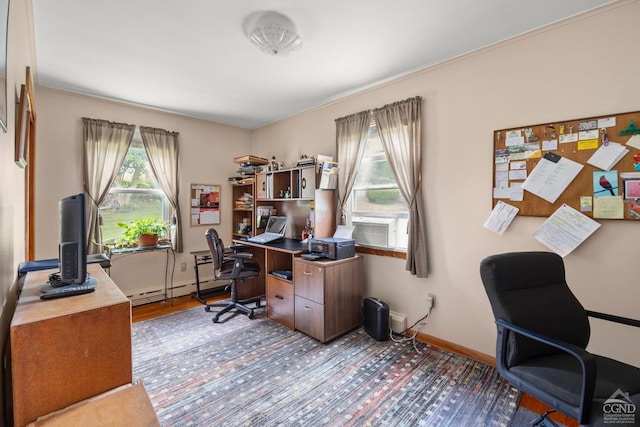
x=376, y=318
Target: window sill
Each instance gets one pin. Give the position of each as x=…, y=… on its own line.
x=381, y=252
x=159, y=247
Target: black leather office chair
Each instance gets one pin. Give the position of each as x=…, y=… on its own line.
x=543, y=331
x=233, y=266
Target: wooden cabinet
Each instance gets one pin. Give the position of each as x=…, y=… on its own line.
x=306, y=183
x=261, y=186
x=280, y=301
x=244, y=220
x=297, y=183
x=67, y=350
x=328, y=296
x=128, y=405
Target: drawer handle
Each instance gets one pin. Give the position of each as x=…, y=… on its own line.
x=307, y=273
x=306, y=307
x=279, y=297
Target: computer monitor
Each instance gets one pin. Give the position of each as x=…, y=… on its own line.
x=72, y=248
x=276, y=224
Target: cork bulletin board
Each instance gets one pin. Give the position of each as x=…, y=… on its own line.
x=205, y=204
x=594, y=164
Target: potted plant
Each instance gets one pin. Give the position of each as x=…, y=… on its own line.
x=145, y=231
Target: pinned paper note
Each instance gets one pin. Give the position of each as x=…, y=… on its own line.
x=607, y=156
x=565, y=230
x=634, y=141
x=500, y=217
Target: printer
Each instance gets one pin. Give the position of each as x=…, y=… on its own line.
x=332, y=247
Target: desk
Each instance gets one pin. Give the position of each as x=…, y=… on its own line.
x=280, y=292
x=168, y=248
x=70, y=349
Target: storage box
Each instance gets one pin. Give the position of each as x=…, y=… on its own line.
x=376, y=318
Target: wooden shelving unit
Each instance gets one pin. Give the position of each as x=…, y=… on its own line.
x=244, y=220
x=244, y=196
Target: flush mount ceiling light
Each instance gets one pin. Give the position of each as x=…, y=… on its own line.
x=274, y=34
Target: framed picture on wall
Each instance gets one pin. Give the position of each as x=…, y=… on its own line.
x=205, y=204
x=23, y=120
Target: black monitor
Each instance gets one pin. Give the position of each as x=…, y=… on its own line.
x=73, y=239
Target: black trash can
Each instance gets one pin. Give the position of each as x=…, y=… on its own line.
x=376, y=318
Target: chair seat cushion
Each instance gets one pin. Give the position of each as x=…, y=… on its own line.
x=561, y=376
x=251, y=269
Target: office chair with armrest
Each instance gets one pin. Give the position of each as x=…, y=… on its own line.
x=543, y=331
x=232, y=266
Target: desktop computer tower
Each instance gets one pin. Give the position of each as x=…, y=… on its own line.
x=376, y=318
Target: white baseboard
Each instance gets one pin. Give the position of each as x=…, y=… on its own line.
x=155, y=293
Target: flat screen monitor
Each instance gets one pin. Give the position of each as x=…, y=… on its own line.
x=73, y=239
x=276, y=224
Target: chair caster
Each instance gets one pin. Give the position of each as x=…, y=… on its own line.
x=250, y=314
x=215, y=320
x=207, y=308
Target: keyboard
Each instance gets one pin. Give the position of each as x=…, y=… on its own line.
x=265, y=238
x=67, y=291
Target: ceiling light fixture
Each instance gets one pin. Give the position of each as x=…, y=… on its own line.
x=275, y=34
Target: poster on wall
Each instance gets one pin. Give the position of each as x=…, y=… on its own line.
x=205, y=204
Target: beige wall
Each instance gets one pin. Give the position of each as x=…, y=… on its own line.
x=12, y=178
x=206, y=153
x=578, y=68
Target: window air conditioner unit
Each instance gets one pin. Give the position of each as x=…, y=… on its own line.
x=373, y=231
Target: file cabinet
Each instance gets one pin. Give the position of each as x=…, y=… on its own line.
x=328, y=296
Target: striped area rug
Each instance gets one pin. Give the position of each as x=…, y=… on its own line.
x=259, y=373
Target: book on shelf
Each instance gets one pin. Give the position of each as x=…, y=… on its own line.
x=244, y=202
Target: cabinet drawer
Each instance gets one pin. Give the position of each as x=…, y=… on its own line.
x=309, y=280
x=310, y=318
x=280, y=303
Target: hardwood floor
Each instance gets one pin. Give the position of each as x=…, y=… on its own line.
x=157, y=309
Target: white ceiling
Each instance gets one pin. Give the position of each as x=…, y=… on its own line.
x=192, y=57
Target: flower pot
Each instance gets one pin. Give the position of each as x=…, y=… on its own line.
x=145, y=240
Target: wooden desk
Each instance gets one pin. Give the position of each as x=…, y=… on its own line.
x=280, y=292
x=70, y=349
x=128, y=405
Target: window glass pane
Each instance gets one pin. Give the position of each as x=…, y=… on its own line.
x=376, y=208
x=134, y=194
x=136, y=171
x=126, y=207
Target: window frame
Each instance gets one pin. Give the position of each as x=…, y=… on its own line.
x=395, y=215
x=167, y=210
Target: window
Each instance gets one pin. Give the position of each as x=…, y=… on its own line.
x=376, y=207
x=135, y=194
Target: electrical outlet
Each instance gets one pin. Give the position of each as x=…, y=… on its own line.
x=183, y=266
x=431, y=301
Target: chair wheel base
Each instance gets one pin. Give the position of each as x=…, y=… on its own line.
x=543, y=421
